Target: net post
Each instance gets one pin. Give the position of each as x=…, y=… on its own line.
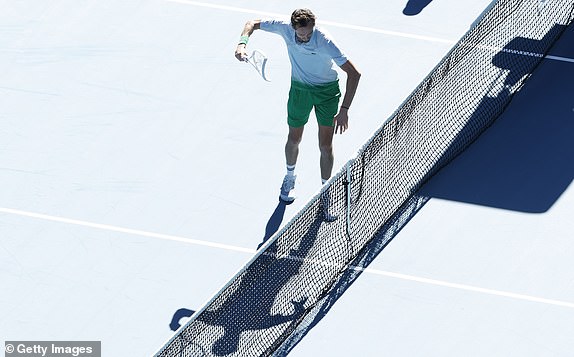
x=347, y=183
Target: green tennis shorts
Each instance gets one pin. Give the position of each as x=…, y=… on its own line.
x=303, y=98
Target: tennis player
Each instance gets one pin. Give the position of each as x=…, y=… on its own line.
x=314, y=84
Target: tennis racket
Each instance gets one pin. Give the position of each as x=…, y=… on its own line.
x=259, y=61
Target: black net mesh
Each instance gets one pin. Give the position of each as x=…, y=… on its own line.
x=265, y=304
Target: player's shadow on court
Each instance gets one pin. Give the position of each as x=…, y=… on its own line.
x=271, y=228
x=274, y=222
x=362, y=260
x=525, y=160
x=415, y=7
x=253, y=306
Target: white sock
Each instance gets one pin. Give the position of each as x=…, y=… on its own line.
x=323, y=180
x=290, y=170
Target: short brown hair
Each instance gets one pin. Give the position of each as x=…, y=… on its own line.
x=302, y=18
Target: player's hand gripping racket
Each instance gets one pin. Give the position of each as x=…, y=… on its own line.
x=259, y=61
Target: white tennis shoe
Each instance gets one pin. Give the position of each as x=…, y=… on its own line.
x=287, y=187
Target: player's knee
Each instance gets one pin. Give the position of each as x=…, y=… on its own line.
x=294, y=139
x=326, y=148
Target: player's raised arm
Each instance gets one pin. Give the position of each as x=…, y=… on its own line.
x=240, y=51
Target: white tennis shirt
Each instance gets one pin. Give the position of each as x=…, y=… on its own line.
x=312, y=63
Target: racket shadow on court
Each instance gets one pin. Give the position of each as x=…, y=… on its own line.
x=178, y=316
x=525, y=160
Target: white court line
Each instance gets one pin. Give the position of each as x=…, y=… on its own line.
x=475, y=289
x=329, y=23
x=342, y=25
x=253, y=251
x=107, y=227
x=558, y=58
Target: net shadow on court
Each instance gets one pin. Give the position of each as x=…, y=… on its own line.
x=526, y=160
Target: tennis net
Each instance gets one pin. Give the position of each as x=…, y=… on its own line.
x=262, y=307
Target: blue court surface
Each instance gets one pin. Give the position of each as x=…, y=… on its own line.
x=140, y=165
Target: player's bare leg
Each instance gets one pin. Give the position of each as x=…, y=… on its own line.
x=326, y=162
x=326, y=149
x=292, y=146
x=291, y=153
